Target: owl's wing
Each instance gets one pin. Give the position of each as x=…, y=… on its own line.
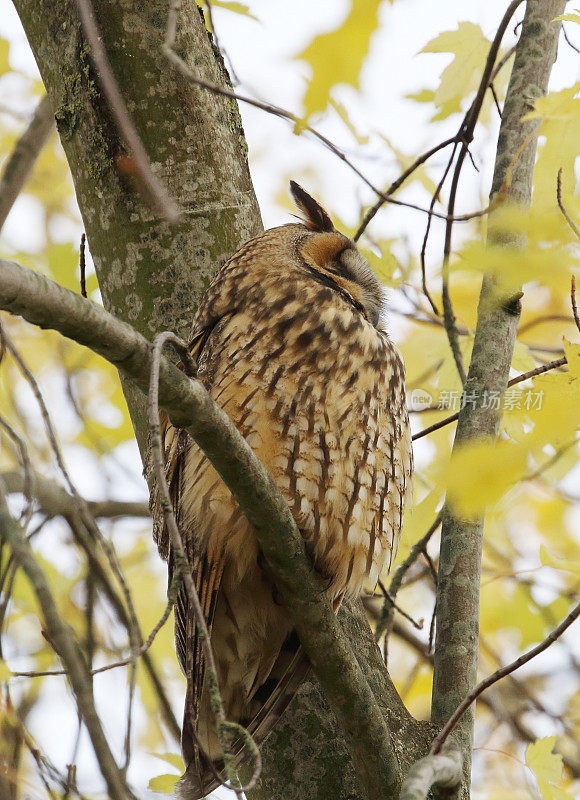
x=206, y=572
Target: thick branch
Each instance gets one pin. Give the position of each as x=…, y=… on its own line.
x=189, y=406
x=54, y=500
x=455, y=666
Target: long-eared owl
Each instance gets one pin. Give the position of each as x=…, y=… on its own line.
x=288, y=341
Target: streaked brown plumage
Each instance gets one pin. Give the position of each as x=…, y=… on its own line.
x=288, y=342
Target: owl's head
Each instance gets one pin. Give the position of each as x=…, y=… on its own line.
x=335, y=258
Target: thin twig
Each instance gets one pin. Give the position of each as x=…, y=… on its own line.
x=573, y=301
x=226, y=731
x=189, y=75
x=501, y=673
x=385, y=620
x=19, y=165
x=390, y=600
x=568, y=42
x=397, y=183
x=26, y=462
x=562, y=207
x=124, y=661
x=495, y=99
x=154, y=191
x=559, y=362
x=428, y=229
x=83, y=265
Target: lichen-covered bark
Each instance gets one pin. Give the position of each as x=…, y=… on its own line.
x=310, y=753
x=456, y=646
x=152, y=274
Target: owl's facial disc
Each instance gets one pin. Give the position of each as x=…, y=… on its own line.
x=336, y=257
x=356, y=268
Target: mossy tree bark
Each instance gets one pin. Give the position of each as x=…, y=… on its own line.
x=151, y=273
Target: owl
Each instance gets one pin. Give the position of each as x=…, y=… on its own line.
x=289, y=342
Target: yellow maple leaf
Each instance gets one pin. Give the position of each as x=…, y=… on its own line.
x=547, y=768
x=338, y=56
x=480, y=474
x=559, y=113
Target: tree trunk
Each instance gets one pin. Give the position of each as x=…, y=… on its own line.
x=457, y=640
x=151, y=273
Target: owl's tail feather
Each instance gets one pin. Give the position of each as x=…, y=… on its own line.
x=267, y=706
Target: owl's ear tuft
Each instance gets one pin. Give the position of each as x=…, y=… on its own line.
x=315, y=217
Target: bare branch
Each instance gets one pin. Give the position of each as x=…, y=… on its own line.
x=562, y=207
x=567, y=39
x=54, y=500
x=573, y=301
x=398, y=183
x=66, y=645
x=26, y=467
x=83, y=265
x=559, y=362
x=499, y=674
x=22, y=159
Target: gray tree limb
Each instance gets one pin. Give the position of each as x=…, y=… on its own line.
x=54, y=500
x=48, y=305
x=456, y=649
x=19, y=164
